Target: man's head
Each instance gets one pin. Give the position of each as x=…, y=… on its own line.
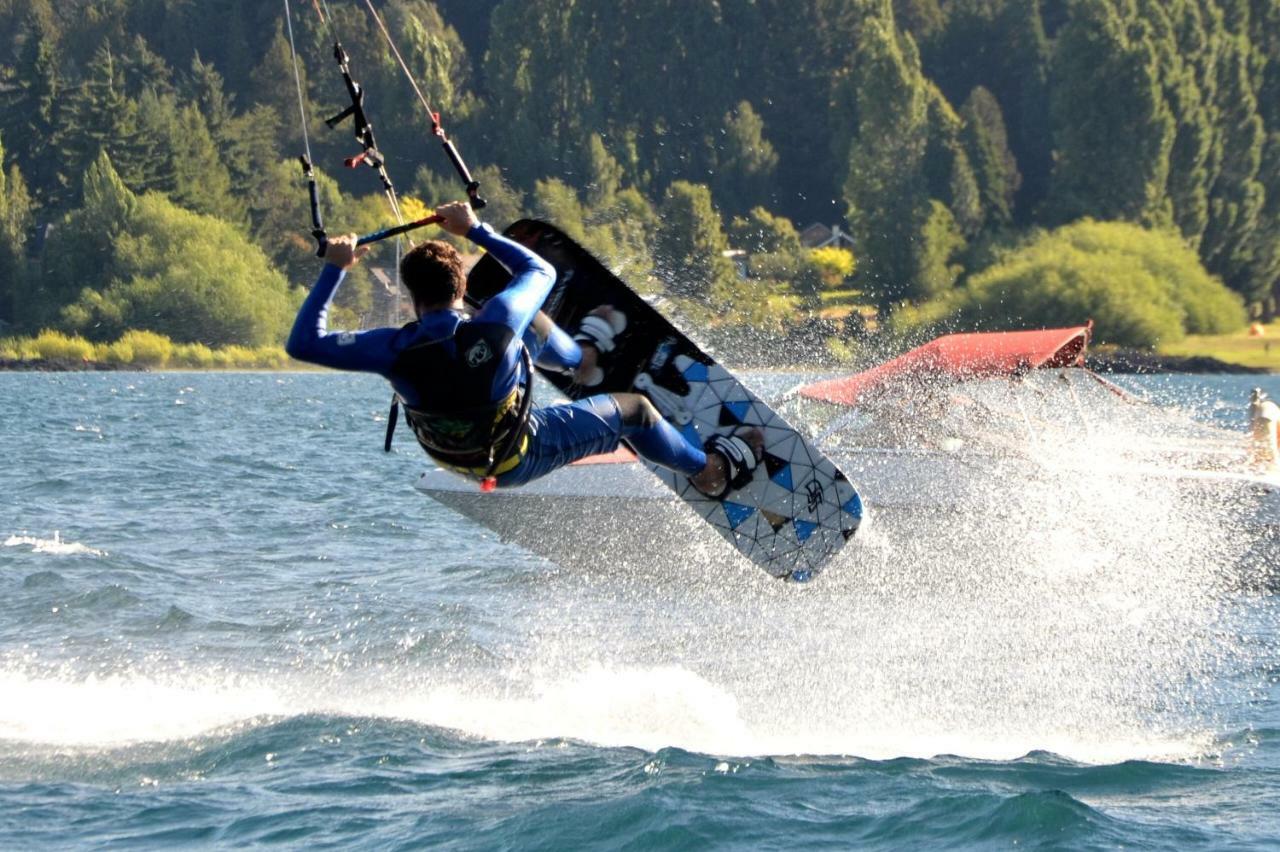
x=433, y=273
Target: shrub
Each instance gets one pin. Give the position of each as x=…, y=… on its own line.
x=834, y=264
x=119, y=353
x=149, y=349
x=271, y=357
x=56, y=346
x=195, y=355
x=1140, y=287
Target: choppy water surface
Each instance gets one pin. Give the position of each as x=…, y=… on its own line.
x=226, y=618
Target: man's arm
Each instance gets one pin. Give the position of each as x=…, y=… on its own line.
x=311, y=340
x=531, y=276
x=531, y=281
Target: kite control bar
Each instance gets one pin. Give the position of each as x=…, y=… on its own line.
x=396, y=231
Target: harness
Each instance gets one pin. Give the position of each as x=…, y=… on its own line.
x=468, y=433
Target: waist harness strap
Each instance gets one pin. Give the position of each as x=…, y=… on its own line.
x=505, y=439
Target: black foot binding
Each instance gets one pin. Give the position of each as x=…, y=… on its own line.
x=600, y=329
x=740, y=461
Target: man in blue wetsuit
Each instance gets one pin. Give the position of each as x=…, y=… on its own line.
x=465, y=381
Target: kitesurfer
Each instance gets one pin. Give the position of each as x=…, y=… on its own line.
x=465, y=381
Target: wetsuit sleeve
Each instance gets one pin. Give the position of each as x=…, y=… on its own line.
x=366, y=351
x=531, y=281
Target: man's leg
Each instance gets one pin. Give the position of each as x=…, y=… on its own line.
x=712, y=470
x=655, y=438
x=563, y=434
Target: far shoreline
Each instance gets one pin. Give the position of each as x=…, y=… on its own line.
x=1119, y=361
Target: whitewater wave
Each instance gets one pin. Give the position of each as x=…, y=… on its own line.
x=646, y=708
x=54, y=546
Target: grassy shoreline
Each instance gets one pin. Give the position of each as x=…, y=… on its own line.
x=1257, y=347
x=1245, y=351
x=134, y=350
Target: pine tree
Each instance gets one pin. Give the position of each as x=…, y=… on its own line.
x=1236, y=198
x=1181, y=41
x=158, y=126
x=99, y=118
x=886, y=189
x=30, y=112
x=531, y=112
x=604, y=175
x=201, y=181
x=1113, y=129
x=994, y=164
x=690, y=243
x=949, y=173
x=80, y=252
x=1002, y=46
x=15, y=220
x=743, y=160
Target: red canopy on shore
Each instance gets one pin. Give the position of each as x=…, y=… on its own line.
x=962, y=356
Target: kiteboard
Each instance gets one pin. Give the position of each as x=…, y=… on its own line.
x=797, y=511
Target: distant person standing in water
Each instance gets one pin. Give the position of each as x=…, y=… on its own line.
x=464, y=379
x=1264, y=418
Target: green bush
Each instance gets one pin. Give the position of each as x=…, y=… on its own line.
x=56, y=346
x=119, y=353
x=271, y=357
x=190, y=277
x=149, y=349
x=195, y=355
x=1140, y=287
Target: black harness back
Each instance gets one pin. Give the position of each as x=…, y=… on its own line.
x=462, y=428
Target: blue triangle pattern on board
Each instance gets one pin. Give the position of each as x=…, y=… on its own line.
x=804, y=529
x=853, y=506
x=737, y=513
x=783, y=478
x=695, y=372
x=740, y=409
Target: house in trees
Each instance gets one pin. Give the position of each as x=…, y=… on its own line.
x=819, y=235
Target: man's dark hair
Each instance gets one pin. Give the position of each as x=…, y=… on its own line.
x=433, y=273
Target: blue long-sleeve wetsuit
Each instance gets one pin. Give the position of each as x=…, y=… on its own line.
x=559, y=434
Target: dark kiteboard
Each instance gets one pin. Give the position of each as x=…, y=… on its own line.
x=796, y=512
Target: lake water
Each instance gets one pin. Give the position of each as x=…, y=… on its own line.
x=226, y=618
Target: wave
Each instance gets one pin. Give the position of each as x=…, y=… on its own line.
x=54, y=546
x=645, y=708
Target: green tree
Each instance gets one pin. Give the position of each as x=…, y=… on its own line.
x=743, y=160
x=30, y=102
x=762, y=232
x=939, y=245
x=690, y=244
x=1140, y=286
x=886, y=190
x=994, y=165
x=1003, y=46
x=604, y=175
x=15, y=219
x=556, y=201
x=99, y=117
x=201, y=181
x=77, y=254
x=1236, y=198
x=164, y=269
x=1113, y=129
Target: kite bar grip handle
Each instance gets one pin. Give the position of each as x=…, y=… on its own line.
x=387, y=233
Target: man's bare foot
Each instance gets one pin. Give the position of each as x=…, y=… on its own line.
x=730, y=462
